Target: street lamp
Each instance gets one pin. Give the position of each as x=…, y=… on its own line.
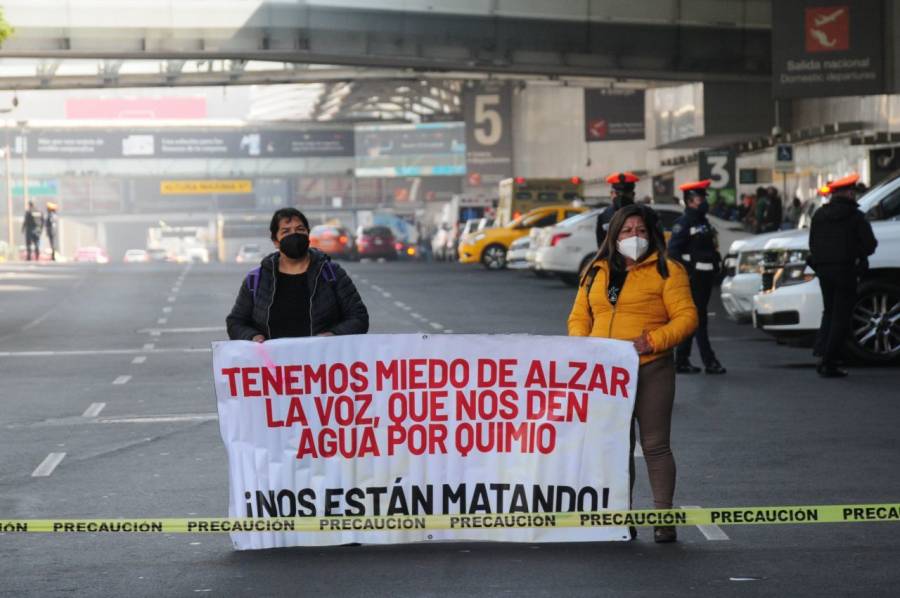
x=9, y=211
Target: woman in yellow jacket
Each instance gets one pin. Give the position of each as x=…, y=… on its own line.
x=633, y=292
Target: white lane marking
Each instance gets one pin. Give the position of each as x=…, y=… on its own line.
x=386, y=295
x=162, y=419
x=171, y=299
x=154, y=333
x=375, y=287
x=139, y=359
x=182, y=330
x=416, y=316
x=34, y=323
x=713, y=533
x=167, y=309
x=162, y=321
x=448, y=331
x=94, y=410
x=435, y=325
x=48, y=465
x=364, y=280
x=148, y=346
x=400, y=304
x=122, y=380
x=101, y=352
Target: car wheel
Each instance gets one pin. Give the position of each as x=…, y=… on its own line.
x=875, y=324
x=494, y=257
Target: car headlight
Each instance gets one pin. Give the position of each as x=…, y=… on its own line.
x=792, y=274
x=750, y=262
x=479, y=237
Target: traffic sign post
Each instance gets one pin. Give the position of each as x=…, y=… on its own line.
x=784, y=157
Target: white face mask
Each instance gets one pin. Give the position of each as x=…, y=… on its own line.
x=633, y=247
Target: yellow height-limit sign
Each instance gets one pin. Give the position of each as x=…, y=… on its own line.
x=206, y=187
x=640, y=518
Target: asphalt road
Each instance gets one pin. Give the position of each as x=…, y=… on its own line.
x=110, y=366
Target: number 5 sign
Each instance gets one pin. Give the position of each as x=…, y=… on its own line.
x=718, y=166
x=487, y=109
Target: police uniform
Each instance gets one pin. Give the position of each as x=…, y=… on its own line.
x=693, y=243
x=32, y=227
x=840, y=242
x=623, y=195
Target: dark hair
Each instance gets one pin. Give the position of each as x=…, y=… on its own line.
x=610, y=253
x=290, y=214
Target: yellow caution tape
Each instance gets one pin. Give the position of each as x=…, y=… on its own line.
x=637, y=518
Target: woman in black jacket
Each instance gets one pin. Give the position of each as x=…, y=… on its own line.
x=296, y=291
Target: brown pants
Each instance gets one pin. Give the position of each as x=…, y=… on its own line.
x=653, y=414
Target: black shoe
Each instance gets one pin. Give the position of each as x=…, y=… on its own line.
x=715, y=368
x=831, y=371
x=664, y=534
x=686, y=367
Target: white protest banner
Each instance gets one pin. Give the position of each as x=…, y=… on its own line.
x=373, y=432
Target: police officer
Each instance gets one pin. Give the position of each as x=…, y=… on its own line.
x=693, y=243
x=32, y=227
x=50, y=223
x=840, y=242
x=622, y=195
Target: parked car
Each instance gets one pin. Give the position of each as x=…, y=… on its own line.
x=136, y=256
x=748, y=258
x=489, y=247
x=567, y=248
x=249, y=253
x=790, y=304
x=157, y=254
x=336, y=241
x=198, y=254
x=517, y=256
x=96, y=255
x=376, y=242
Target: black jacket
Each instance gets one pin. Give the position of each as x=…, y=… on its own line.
x=334, y=303
x=840, y=235
x=694, y=241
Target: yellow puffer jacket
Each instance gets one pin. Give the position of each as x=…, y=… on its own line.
x=662, y=307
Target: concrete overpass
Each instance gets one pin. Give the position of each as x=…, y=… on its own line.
x=689, y=40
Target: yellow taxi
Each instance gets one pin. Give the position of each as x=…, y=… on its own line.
x=490, y=245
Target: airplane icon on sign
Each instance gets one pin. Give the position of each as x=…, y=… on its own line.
x=825, y=19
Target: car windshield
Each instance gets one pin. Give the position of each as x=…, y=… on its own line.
x=579, y=218
x=377, y=231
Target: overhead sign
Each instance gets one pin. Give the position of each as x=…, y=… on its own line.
x=487, y=110
x=719, y=167
x=410, y=150
x=825, y=49
x=208, y=187
x=66, y=144
x=408, y=426
x=613, y=114
x=784, y=157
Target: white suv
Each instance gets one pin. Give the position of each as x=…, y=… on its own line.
x=791, y=303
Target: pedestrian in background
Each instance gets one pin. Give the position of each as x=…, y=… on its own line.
x=296, y=291
x=634, y=292
x=622, y=195
x=50, y=224
x=694, y=244
x=760, y=208
x=31, y=227
x=774, y=210
x=840, y=243
x=794, y=212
